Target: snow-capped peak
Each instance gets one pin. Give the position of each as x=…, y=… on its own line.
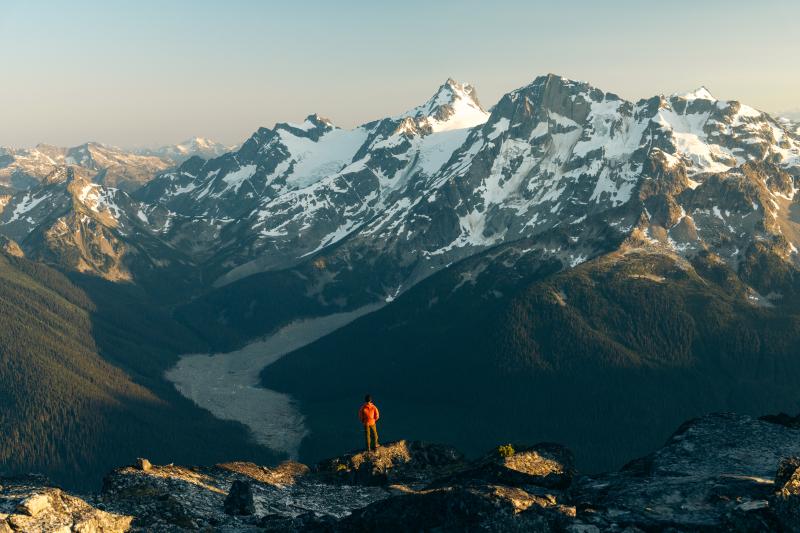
x=790, y=124
x=200, y=146
x=699, y=94
x=454, y=106
x=312, y=121
x=196, y=143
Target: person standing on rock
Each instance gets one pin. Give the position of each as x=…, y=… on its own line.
x=369, y=415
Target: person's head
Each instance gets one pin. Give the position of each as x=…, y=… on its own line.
x=367, y=398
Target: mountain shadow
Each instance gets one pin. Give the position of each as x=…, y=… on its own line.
x=80, y=381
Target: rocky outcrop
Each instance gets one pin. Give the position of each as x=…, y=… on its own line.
x=28, y=504
x=786, y=500
x=458, y=509
x=714, y=472
x=11, y=247
x=545, y=465
x=408, y=462
x=170, y=498
x=240, y=499
x=721, y=472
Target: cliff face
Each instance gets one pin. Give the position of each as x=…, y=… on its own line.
x=720, y=472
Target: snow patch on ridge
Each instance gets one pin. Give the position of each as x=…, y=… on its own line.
x=315, y=160
x=690, y=140
x=237, y=178
x=28, y=203
x=435, y=150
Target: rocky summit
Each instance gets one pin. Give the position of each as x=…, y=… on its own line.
x=721, y=472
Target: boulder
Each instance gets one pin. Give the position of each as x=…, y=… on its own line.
x=35, y=504
x=240, y=499
x=750, y=516
x=50, y=509
x=143, y=464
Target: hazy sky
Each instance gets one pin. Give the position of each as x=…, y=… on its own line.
x=146, y=72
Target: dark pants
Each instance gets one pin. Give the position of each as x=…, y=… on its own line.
x=373, y=430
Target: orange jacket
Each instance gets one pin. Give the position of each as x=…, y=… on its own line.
x=368, y=414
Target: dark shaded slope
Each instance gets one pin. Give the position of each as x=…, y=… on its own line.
x=80, y=382
x=342, y=279
x=258, y=305
x=607, y=357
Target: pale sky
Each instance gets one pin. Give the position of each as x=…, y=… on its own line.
x=155, y=72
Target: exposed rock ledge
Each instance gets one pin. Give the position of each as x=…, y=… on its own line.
x=720, y=472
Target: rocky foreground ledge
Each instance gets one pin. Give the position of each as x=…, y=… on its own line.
x=720, y=472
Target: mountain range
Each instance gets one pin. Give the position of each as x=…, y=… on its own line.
x=22, y=168
x=791, y=122
x=594, y=263
x=196, y=146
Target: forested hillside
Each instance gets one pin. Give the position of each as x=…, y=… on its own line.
x=80, y=381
